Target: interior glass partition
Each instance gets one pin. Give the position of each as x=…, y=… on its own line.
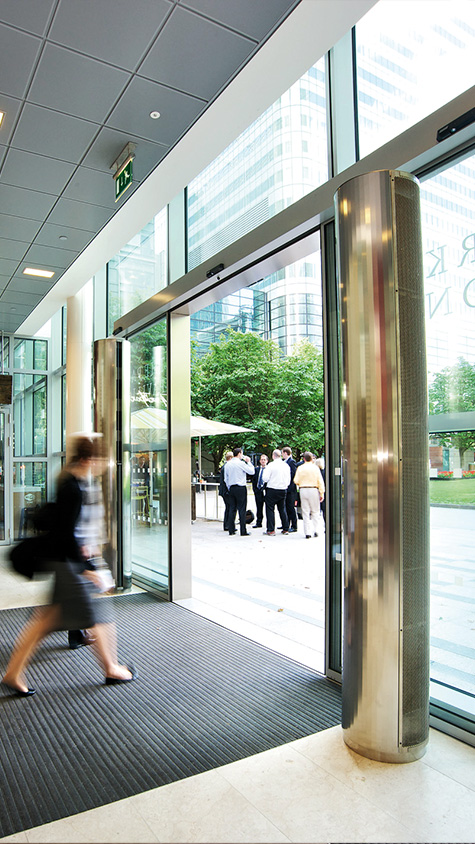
x=149, y=459
x=448, y=217
x=3, y=426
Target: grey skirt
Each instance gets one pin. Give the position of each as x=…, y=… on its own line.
x=77, y=598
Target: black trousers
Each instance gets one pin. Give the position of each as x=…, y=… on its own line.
x=276, y=497
x=259, y=496
x=238, y=502
x=227, y=502
x=290, y=506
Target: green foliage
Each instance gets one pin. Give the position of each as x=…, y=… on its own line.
x=453, y=391
x=245, y=380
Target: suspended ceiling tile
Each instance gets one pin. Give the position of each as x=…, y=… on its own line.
x=195, y=55
x=4, y=279
x=28, y=284
x=18, y=228
x=92, y=186
x=110, y=143
x=27, y=15
x=76, y=84
x=21, y=202
x=57, y=135
x=246, y=16
x=8, y=266
x=80, y=215
x=18, y=53
x=178, y=111
x=10, y=108
x=16, y=297
x=16, y=308
x=36, y=172
x=46, y=256
x=105, y=32
x=49, y=235
x=10, y=323
x=13, y=249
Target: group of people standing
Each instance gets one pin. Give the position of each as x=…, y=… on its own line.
x=275, y=484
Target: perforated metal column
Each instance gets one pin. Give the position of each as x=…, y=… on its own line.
x=384, y=462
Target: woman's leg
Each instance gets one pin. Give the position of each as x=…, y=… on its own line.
x=43, y=621
x=106, y=652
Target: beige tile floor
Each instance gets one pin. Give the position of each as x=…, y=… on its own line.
x=311, y=790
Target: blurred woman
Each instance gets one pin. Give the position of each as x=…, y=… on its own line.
x=73, y=605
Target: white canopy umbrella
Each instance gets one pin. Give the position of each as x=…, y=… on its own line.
x=153, y=420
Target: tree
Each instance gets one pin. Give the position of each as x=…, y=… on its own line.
x=453, y=391
x=245, y=380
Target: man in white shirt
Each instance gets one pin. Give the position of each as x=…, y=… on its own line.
x=277, y=477
x=236, y=471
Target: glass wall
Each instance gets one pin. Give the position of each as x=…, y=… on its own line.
x=149, y=458
x=412, y=57
x=448, y=217
x=281, y=157
x=285, y=307
x=29, y=430
x=139, y=270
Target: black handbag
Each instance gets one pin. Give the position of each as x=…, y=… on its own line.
x=27, y=557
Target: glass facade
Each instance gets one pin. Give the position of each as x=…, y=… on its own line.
x=139, y=270
x=412, y=57
x=448, y=219
x=285, y=307
x=281, y=157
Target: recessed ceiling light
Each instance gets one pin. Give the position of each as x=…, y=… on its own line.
x=2, y=115
x=13, y=310
x=154, y=115
x=63, y=237
x=40, y=273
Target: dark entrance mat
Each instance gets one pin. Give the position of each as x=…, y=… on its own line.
x=205, y=697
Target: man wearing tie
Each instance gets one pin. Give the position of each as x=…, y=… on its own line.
x=259, y=490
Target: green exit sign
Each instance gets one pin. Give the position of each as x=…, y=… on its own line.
x=123, y=179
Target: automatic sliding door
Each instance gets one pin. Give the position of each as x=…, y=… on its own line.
x=149, y=459
x=448, y=219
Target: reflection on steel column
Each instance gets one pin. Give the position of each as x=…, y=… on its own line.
x=112, y=420
x=385, y=467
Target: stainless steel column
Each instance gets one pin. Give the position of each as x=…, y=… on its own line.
x=112, y=420
x=385, y=467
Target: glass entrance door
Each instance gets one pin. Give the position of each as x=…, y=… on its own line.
x=149, y=459
x=448, y=225
x=3, y=477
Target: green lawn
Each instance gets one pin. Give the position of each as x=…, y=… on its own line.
x=455, y=491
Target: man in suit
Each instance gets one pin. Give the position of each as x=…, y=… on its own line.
x=291, y=494
x=224, y=491
x=259, y=490
x=277, y=477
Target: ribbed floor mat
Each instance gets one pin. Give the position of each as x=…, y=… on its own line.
x=205, y=697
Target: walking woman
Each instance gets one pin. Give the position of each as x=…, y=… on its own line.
x=73, y=605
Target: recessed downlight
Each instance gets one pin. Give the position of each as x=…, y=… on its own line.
x=39, y=273
x=63, y=237
x=154, y=115
x=2, y=115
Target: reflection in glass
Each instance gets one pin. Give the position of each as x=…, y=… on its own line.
x=448, y=225
x=281, y=157
x=139, y=270
x=412, y=58
x=29, y=492
x=149, y=458
x=29, y=415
